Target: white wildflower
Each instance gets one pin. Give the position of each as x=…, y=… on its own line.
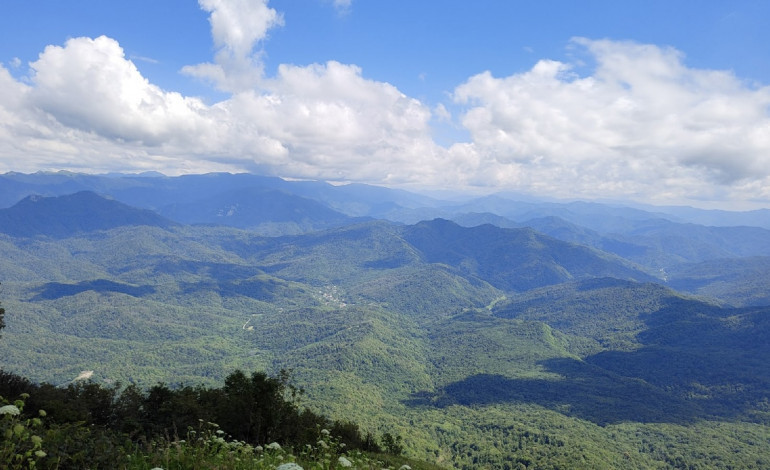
x=289, y=466
x=405, y=467
x=274, y=446
x=12, y=410
x=325, y=432
x=344, y=462
x=322, y=444
x=40, y=454
x=259, y=449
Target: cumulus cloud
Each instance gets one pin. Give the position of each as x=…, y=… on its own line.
x=89, y=106
x=335, y=124
x=237, y=26
x=642, y=121
x=640, y=124
x=89, y=85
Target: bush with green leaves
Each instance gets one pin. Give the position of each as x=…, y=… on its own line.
x=92, y=426
x=22, y=444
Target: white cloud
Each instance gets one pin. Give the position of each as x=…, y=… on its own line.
x=336, y=124
x=641, y=124
x=343, y=6
x=88, y=107
x=237, y=26
x=89, y=85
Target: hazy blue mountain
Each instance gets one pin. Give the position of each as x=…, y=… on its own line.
x=268, y=211
x=16, y=186
x=64, y=216
x=152, y=191
x=740, y=282
x=474, y=219
x=717, y=218
x=662, y=244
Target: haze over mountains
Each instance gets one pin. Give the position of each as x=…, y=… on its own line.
x=481, y=323
x=667, y=243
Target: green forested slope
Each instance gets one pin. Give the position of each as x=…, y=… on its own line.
x=466, y=342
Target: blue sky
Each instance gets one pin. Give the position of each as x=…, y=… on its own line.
x=664, y=102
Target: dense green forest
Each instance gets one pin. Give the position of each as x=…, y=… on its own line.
x=250, y=422
x=480, y=347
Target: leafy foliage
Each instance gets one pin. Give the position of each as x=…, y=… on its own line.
x=483, y=347
x=91, y=426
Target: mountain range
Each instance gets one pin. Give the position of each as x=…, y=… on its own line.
x=490, y=333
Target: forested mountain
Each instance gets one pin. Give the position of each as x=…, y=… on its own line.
x=491, y=345
x=63, y=216
x=267, y=211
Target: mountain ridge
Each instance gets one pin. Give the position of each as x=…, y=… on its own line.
x=62, y=216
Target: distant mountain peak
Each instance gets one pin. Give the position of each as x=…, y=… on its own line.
x=63, y=216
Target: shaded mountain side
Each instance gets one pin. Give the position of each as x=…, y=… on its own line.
x=689, y=365
x=514, y=259
x=611, y=311
x=480, y=360
x=711, y=356
x=715, y=357
x=57, y=290
x=64, y=216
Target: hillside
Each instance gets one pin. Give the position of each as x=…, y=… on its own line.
x=482, y=346
x=514, y=259
x=266, y=211
x=64, y=216
x=736, y=281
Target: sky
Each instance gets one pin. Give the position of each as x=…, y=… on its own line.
x=658, y=102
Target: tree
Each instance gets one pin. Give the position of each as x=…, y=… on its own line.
x=392, y=445
x=258, y=409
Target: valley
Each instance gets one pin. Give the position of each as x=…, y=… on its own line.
x=489, y=333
